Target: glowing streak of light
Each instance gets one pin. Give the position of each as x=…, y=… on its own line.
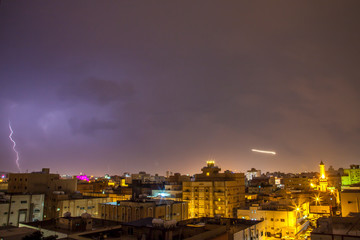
x=263, y=151
x=14, y=145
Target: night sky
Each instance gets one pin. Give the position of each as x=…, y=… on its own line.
x=113, y=86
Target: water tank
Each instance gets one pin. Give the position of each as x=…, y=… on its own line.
x=67, y=215
x=85, y=215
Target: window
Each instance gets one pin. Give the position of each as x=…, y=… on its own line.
x=150, y=212
x=282, y=220
x=271, y=219
x=23, y=202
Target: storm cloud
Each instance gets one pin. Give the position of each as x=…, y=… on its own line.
x=128, y=86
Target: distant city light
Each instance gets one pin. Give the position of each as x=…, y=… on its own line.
x=164, y=194
x=83, y=178
x=263, y=151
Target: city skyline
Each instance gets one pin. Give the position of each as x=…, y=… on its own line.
x=136, y=86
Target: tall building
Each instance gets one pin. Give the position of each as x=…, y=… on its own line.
x=214, y=193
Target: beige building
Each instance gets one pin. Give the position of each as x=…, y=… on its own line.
x=17, y=208
x=214, y=193
x=297, y=183
x=58, y=203
x=280, y=219
x=39, y=182
x=350, y=202
x=127, y=211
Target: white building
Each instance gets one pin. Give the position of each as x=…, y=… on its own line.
x=253, y=173
x=18, y=208
x=279, y=219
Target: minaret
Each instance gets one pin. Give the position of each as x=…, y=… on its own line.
x=322, y=170
x=322, y=180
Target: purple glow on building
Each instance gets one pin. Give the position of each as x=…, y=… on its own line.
x=83, y=178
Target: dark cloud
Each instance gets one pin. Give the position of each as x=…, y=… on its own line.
x=96, y=91
x=91, y=126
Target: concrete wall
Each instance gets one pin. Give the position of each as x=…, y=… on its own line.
x=79, y=206
x=350, y=202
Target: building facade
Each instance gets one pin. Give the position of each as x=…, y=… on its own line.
x=39, y=182
x=127, y=211
x=16, y=208
x=57, y=204
x=351, y=175
x=214, y=193
x=280, y=220
x=350, y=202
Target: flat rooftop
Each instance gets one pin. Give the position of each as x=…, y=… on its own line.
x=12, y=232
x=158, y=202
x=51, y=225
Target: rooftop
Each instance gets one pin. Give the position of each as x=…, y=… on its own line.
x=51, y=225
x=158, y=202
x=339, y=225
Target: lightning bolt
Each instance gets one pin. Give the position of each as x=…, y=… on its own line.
x=14, y=145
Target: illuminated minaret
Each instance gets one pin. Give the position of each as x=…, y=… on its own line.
x=322, y=180
x=322, y=170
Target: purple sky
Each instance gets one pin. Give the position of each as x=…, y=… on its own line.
x=113, y=86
